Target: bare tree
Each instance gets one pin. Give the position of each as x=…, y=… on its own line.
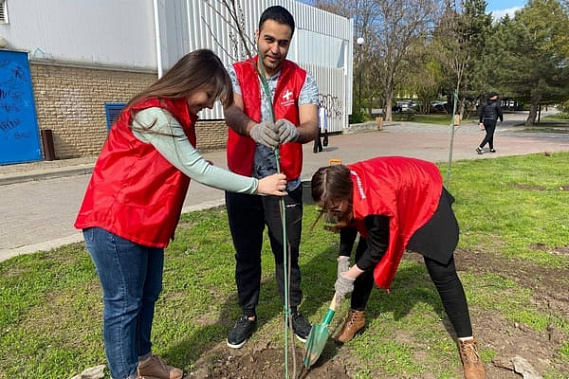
x=389, y=28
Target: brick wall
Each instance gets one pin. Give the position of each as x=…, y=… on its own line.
x=211, y=135
x=71, y=102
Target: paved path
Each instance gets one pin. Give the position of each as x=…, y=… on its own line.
x=39, y=201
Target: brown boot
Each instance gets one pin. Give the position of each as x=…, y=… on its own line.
x=473, y=365
x=155, y=368
x=354, y=323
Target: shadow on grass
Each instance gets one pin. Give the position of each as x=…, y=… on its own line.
x=270, y=307
x=412, y=285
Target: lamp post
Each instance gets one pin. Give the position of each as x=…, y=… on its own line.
x=360, y=41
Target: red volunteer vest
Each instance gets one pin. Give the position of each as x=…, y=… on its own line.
x=407, y=190
x=241, y=149
x=134, y=192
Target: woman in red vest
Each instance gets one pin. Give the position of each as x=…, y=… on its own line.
x=395, y=203
x=135, y=196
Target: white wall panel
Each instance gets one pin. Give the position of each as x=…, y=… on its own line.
x=109, y=32
x=331, y=85
x=322, y=44
x=123, y=33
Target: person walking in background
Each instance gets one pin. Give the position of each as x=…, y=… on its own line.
x=252, y=139
x=489, y=115
x=134, y=199
x=322, y=130
x=395, y=203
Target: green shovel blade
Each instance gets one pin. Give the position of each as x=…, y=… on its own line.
x=318, y=337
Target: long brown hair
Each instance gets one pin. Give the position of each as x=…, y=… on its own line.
x=330, y=184
x=200, y=69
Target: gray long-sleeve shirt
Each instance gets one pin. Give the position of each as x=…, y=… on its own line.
x=168, y=137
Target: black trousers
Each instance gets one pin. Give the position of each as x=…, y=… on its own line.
x=248, y=215
x=490, y=127
x=435, y=249
x=318, y=142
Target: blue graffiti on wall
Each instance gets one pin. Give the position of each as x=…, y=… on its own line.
x=19, y=139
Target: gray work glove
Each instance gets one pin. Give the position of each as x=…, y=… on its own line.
x=343, y=287
x=265, y=133
x=343, y=264
x=287, y=131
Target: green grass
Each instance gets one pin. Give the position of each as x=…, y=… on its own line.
x=514, y=207
x=558, y=117
x=518, y=205
x=557, y=123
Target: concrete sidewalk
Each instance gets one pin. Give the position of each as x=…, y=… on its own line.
x=23, y=172
x=40, y=200
x=348, y=147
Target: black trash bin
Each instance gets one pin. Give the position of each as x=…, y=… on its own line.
x=47, y=144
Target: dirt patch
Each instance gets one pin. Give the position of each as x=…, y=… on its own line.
x=510, y=339
x=562, y=250
x=264, y=360
x=529, y=187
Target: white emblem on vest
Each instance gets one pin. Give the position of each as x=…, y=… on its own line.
x=287, y=95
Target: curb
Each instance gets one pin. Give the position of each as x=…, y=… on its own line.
x=45, y=174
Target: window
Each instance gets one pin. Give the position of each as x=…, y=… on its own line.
x=3, y=12
x=112, y=110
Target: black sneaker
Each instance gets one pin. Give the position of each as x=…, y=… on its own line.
x=300, y=326
x=492, y=150
x=241, y=332
x=479, y=150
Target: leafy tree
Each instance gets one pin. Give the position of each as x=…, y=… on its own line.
x=532, y=63
x=459, y=42
x=424, y=75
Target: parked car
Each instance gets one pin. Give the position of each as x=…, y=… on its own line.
x=438, y=106
x=404, y=106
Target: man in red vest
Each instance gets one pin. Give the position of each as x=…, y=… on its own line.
x=291, y=93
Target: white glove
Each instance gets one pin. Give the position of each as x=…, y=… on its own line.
x=343, y=287
x=287, y=131
x=265, y=133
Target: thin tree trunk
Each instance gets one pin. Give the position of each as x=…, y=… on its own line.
x=388, y=106
x=530, y=121
x=534, y=107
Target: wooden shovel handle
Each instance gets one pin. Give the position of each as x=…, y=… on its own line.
x=333, y=303
x=330, y=312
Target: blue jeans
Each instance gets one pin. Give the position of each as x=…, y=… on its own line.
x=131, y=278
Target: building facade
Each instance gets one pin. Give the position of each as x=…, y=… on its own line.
x=67, y=66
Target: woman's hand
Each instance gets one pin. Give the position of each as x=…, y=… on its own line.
x=345, y=282
x=272, y=185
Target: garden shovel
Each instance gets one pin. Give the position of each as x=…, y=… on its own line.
x=318, y=336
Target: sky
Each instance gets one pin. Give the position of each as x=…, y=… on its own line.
x=500, y=8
